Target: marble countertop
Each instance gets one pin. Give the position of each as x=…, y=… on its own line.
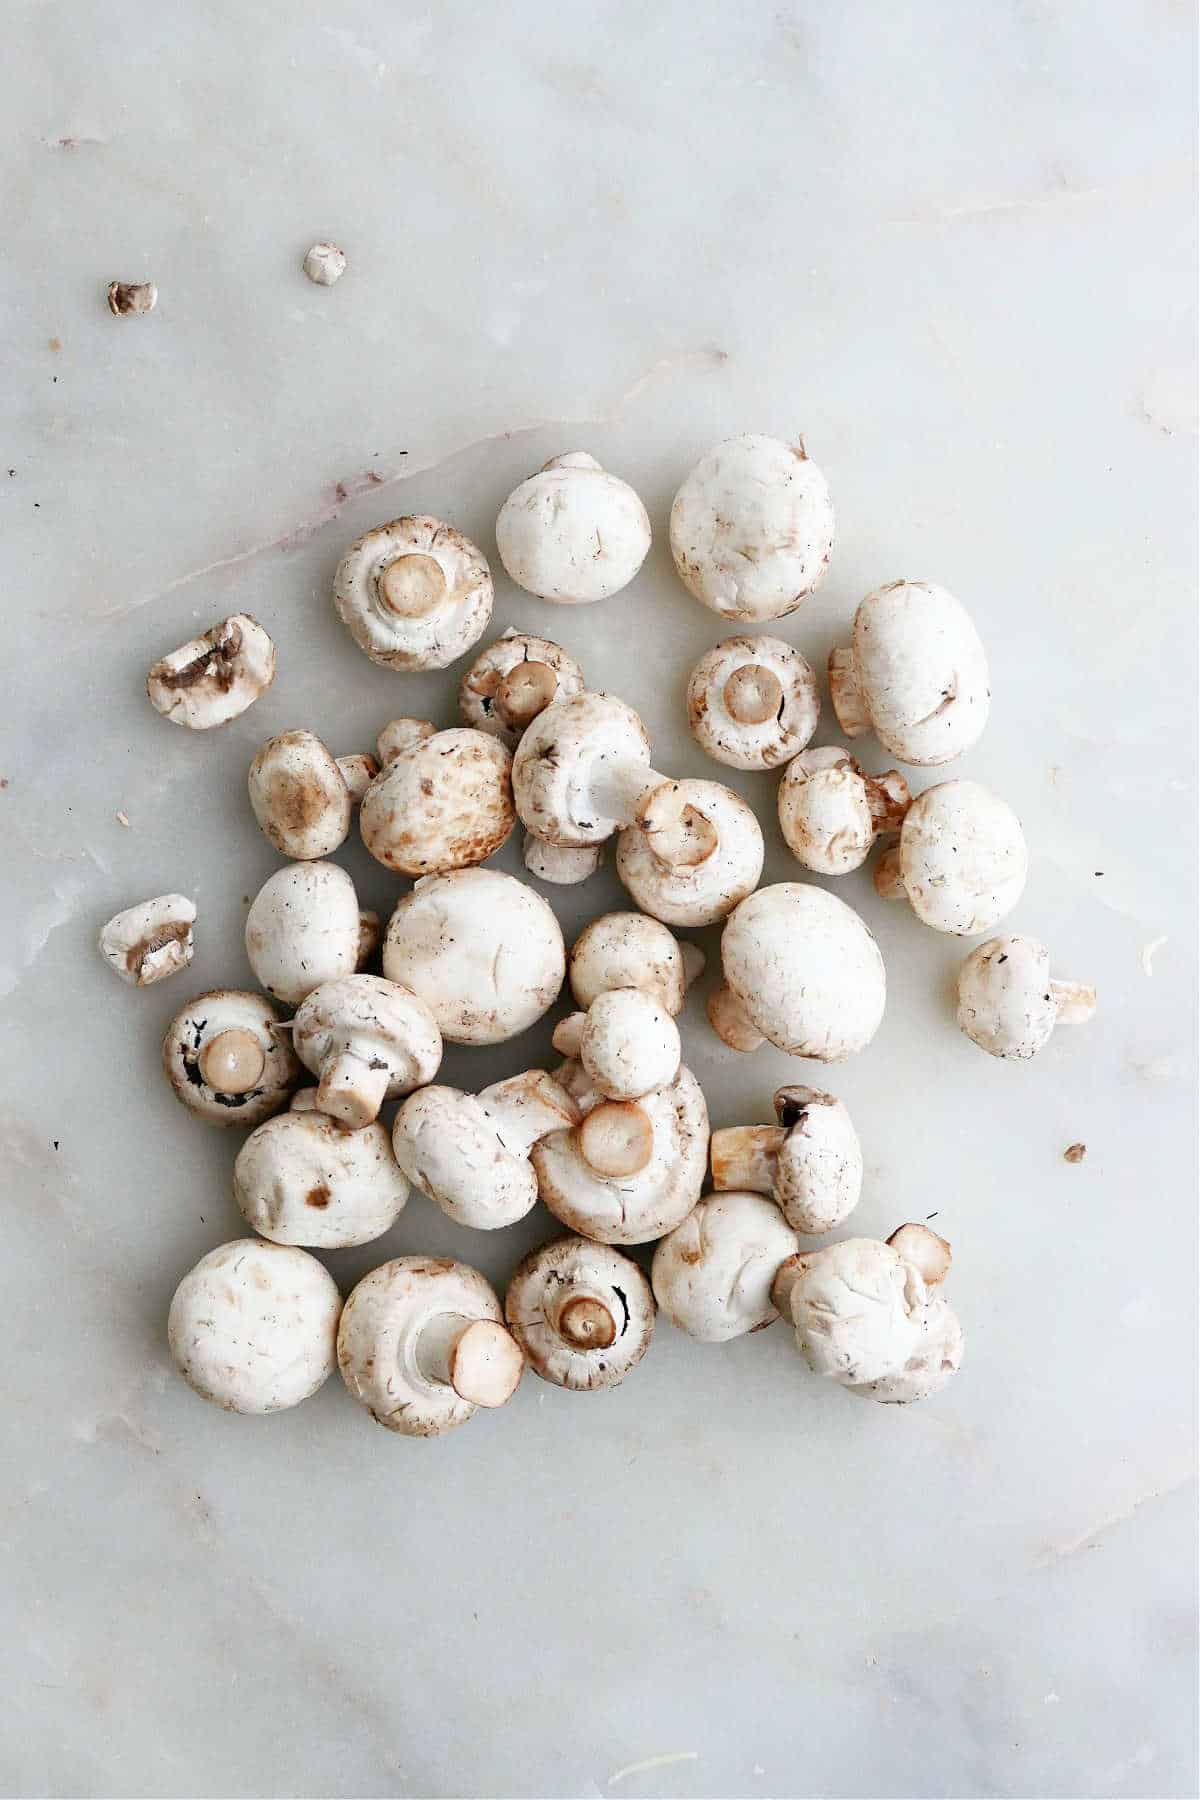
x=954, y=247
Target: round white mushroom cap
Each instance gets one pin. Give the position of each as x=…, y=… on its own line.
x=811, y=1163
x=582, y=1313
x=859, y=1311
x=627, y=1042
x=573, y=533
x=694, y=853
x=753, y=702
x=830, y=812
x=915, y=673
x=567, y=761
x=752, y=528
x=304, y=927
x=414, y=594
x=369, y=1040
x=712, y=1275
x=300, y=796
x=514, y=680
x=253, y=1327
x=961, y=859
x=444, y=802
x=1008, y=1003
x=213, y=678
x=305, y=1178
x=226, y=1058
x=626, y=949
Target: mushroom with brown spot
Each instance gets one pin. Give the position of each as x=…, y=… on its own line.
x=414, y=594
x=368, y=1040
x=831, y=811
x=582, y=1313
x=300, y=796
x=150, y=941
x=713, y=1274
x=439, y=803
x=573, y=533
x=1008, y=1002
x=753, y=702
x=810, y=1163
x=227, y=1059
x=961, y=861
x=305, y=1178
x=914, y=672
x=305, y=926
x=214, y=678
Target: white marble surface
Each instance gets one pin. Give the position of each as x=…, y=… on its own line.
x=950, y=244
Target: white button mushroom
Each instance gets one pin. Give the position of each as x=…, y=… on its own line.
x=914, y=672
x=753, y=702
x=810, y=1164
x=695, y=850
x=831, y=811
x=253, y=1327
x=148, y=942
x=469, y=1153
x=483, y=951
x=582, y=1313
x=305, y=1178
x=227, y=1059
x=752, y=528
x=1007, y=1002
x=961, y=861
x=368, y=1040
x=573, y=533
x=802, y=971
x=626, y=949
x=300, y=796
x=627, y=1042
x=443, y=802
x=422, y=1344
x=213, y=678
x=514, y=680
x=713, y=1274
x=305, y=927
x=414, y=594
x=562, y=865
x=324, y=264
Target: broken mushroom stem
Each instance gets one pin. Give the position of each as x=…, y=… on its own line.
x=233, y=1061
x=1074, y=1001
x=476, y=1357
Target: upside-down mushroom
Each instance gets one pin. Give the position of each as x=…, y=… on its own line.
x=811, y=1163
x=753, y=702
x=582, y=1313
x=414, y=594
x=514, y=680
x=227, y=1059
x=1008, y=1002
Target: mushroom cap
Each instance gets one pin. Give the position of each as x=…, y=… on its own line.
x=860, y=1311
x=558, y=752
x=151, y=940
x=253, y=1327
x=303, y=928
x=963, y=859
x=213, y=678
x=712, y=1275
x=922, y=671
x=582, y=1313
x=573, y=533
x=629, y=1044
x=819, y=1174
x=806, y=970
x=466, y=1157
x=629, y=1209
x=626, y=949
x=824, y=812
x=191, y=1071
x=483, y=951
x=304, y=1178
x=300, y=796
x=489, y=701
x=445, y=610
x=377, y=1340
x=359, y=770
x=937, y=1357
x=1005, y=1002
x=692, y=893
x=368, y=1017
x=444, y=803
x=399, y=735
x=753, y=702
x=752, y=528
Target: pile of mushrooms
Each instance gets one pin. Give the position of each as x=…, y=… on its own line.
x=614, y=1141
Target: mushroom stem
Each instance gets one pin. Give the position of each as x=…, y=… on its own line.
x=525, y=691
x=616, y=1139
x=527, y=1107
x=232, y=1062
x=889, y=798
x=694, y=962
x=680, y=836
x=352, y=1090
x=786, y=1277
x=476, y=1357
x=412, y=586
x=731, y=1022
x=586, y=1322
x=1076, y=1002
x=928, y=1253
x=846, y=694
x=888, y=882
x=753, y=694
x=615, y=790
x=745, y=1158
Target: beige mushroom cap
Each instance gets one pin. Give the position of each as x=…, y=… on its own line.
x=414, y=594
x=305, y=1178
x=213, y=678
x=962, y=858
x=514, y=680
x=712, y=1275
x=830, y=812
x=226, y=1059
x=627, y=1042
x=582, y=1313
x=573, y=533
x=444, y=803
x=470, y=1153
x=915, y=673
x=1009, y=1004
x=563, y=750
x=695, y=852
x=304, y=927
x=253, y=1327
x=627, y=949
x=368, y=1040
x=753, y=702
x=300, y=796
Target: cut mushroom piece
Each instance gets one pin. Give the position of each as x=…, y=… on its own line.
x=148, y=942
x=628, y=950
x=582, y=1313
x=414, y=594
x=695, y=851
x=305, y=927
x=562, y=865
x=831, y=811
x=627, y=1042
x=713, y=1274
x=753, y=702
x=914, y=672
x=752, y=528
x=422, y=1343
x=213, y=678
x=368, y=1040
x=253, y=1327
x=469, y=1153
x=802, y=972
x=305, y=1178
x=573, y=533
x=443, y=802
x=961, y=861
x=810, y=1164
x=483, y=951
x=1008, y=1002
x=227, y=1058
x=300, y=796
x=514, y=680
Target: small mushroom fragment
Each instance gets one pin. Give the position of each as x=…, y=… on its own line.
x=627, y=1042
x=753, y=702
x=126, y=299
x=713, y=1274
x=469, y=1153
x=810, y=1164
x=872, y=1316
x=300, y=796
x=1007, y=1002
x=514, y=680
x=628, y=950
x=752, y=528
x=368, y=1040
x=442, y=802
x=961, y=861
x=802, y=972
x=483, y=951
x=305, y=927
x=914, y=672
x=562, y=865
x=358, y=772
x=573, y=533
x=213, y=678
x=227, y=1059
x=414, y=594
x=146, y=943
x=253, y=1327
x=694, y=852
x=582, y=1313
x=422, y=1343
x=324, y=264
x=305, y=1178
x=831, y=811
